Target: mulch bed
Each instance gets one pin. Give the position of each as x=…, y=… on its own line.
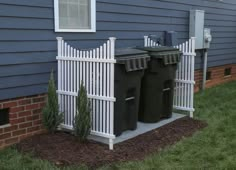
x=63, y=149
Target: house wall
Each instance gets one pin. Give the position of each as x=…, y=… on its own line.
x=28, y=40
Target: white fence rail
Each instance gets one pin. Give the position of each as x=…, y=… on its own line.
x=184, y=83
x=95, y=68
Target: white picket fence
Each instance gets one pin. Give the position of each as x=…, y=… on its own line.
x=184, y=83
x=95, y=68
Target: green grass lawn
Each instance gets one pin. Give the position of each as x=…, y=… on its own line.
x=212, y=148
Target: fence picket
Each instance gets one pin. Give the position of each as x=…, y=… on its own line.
x=97, y=90
x=100, y=89
x=94, y=93
x=108, y=86
x=104, y=88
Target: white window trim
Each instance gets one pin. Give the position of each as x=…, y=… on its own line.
x=93, y=19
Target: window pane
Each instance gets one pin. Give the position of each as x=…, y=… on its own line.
x=74, y=14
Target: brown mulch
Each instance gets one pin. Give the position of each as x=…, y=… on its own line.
x=63, y=149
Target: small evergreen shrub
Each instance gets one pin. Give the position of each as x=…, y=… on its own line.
x=52, y=117
x=82, y=119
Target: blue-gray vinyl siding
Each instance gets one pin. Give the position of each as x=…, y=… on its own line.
x=28, y=40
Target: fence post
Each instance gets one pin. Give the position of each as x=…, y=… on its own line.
x=145, y=41
x=59, y=54
x=112, y=84
x=193, y=71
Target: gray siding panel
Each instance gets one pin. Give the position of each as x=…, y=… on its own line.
x=26, y=69
x=16, y=81
x=32, y=12
x=22, y=91
x=28, y=41
x=30, y=3
x=26, y=58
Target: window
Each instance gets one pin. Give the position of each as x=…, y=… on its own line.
x=4, y=116
x=75, y=15
x=227, y=71
x=208, y=75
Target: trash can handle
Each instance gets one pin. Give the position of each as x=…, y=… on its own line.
x=166, y=89
x=129, y=98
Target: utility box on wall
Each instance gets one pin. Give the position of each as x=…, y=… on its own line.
x=196, y=27
x=207, y=38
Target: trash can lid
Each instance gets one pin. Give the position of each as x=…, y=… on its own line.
x=133, y=59
x=124, y=52
x=169, y=55
x=159, y=49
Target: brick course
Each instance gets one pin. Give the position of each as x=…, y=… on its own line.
x=24, y=119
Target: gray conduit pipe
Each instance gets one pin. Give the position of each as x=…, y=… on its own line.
x=204, y=70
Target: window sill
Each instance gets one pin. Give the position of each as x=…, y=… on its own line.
x=76, y=30
x=5, y=126
x=228, y=76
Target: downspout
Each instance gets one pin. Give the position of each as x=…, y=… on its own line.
x=204, y=69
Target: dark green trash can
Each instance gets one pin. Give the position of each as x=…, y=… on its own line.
x=157, y=91
x=129, y=71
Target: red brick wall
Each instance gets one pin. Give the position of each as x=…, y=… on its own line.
x=25, y=116
x=217, y=76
